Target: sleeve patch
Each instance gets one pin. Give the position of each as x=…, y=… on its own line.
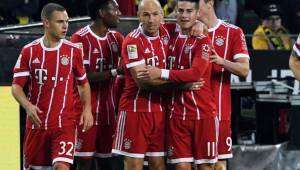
x=132, y=51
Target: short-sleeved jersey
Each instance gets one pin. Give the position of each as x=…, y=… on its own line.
x=229, y=42
x=51, y=73
x=189, y=61
x=140, y=49
x=296, y=47
x=101, y=54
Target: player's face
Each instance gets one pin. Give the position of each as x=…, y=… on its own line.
x=204, y=9
x=150, y=16
x=57, y=24
x=112, y=14
x=186, y=14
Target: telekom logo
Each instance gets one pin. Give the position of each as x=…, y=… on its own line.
x=40, y=75
x=153, y=61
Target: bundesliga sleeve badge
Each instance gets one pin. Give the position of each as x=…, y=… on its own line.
x=132, y=51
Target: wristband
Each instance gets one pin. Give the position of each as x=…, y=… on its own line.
x=165, y=74
x=113, y=72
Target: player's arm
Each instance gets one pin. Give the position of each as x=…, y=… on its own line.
x=21, y=75
x=95, y=77
x=239, y=67
x=85, y=96
x=31, y=110
x=294, y=61
x=193, y=74
x=86, y=118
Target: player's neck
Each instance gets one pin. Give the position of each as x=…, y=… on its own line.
x=50, y=41
x=210, y=21
x=99, y=29
x=185, y=31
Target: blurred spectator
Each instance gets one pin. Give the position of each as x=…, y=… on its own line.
x=271, y=34
x=226, y=10
x=18, y=11
x=169, y=8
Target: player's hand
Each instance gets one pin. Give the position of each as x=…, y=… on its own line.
x=215, y=58
x=32, y=113
x=198, y=29
x=154, y=72
x=143, y=74
x=194, y=85
x=86, y=119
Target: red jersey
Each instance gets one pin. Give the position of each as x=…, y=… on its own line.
x=229, y=43
x=51, y=72
x=140, y=49
x=101, y=54
x=296, y=47
x=189, y=61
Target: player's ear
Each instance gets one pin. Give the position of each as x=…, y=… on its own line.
x=101, y=13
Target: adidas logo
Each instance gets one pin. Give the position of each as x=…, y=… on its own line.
x=147, y=50
x=36, y=61
x=95, y=51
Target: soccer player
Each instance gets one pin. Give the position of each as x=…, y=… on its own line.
x=50, y=65
x=230, y=57
x=141, y=119
x=102, y=48
x=192, y=135
x=294, y=61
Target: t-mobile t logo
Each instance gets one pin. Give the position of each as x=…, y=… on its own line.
x=40, y=75
x=153, y=61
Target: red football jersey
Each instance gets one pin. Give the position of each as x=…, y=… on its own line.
x=140, y=49
x=51, y=72
x=229, y=43
x=189, y=61
x=296, y=47
x=101, y=54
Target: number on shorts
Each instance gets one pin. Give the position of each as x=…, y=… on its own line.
x=229, y=143
x=211, y=151
x=63, y=145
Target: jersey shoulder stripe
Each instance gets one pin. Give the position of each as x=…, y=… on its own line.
x=71, y=44
x=35, y=42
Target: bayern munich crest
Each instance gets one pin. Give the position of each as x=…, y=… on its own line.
x=220, y=41
x=187, y=48
x=165, y=40
x=64, y=60
x=78, y=144
x=127, y=144
x=170, y=150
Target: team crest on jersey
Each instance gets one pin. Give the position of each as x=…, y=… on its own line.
x=132, y=51
x=187, y=48
x=127, y=144
x=220, y=40
x=170, y=150
x=165, y=40
x=205, y=51
x=64, y=60
x=78, y=144
x=114, y=47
